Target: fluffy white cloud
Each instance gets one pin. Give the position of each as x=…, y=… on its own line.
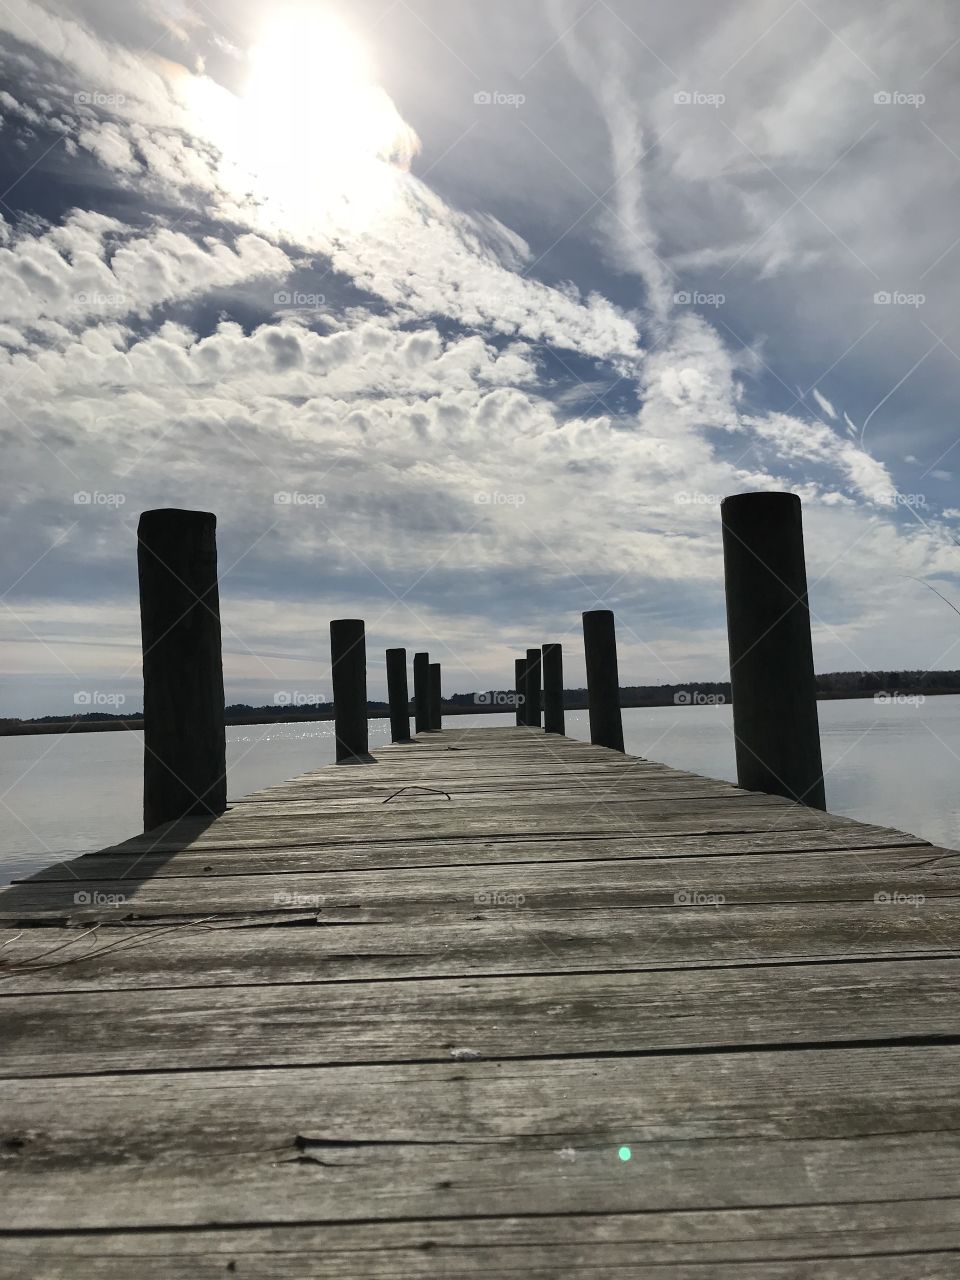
x=110, y=146
x=143, y=83
x=409, y=423
x=93, y=265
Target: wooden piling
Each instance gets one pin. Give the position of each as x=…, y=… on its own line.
x=553, y=718
x=532, y=688
x=184, y=763
x=771, y=654
x=603, y=680
x=435, y=697
x=398, y=695
x=348, y=655
x=421, y=691
x=519, y=681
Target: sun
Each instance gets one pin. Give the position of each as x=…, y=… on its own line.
x=312, y=136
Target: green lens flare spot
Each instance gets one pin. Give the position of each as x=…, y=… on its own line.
x=625, y=1153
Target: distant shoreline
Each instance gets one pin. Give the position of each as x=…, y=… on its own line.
x=32, y=728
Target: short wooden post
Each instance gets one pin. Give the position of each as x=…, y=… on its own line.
x=398, y=695
x=421, y=691
x=771, y=653
x=553, y=720
x=603, y=679
x=184, y=759
x=436, y=714
x=519, y=678
x=348, y=661
x=532, y=687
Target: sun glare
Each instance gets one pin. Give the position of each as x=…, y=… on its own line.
x=312, y=136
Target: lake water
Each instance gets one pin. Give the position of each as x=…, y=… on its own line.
x=893, y=764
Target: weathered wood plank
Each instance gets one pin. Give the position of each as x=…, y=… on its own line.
x=384, y=856
x=321, y=804
x=723, y=1131
x=234, y=830
x=412, y=893
x=487, y=773
x=586, y=763
x=507, y=804
x=885, y=1241
x=491, y=941
x=435, y=808
x=490, y=1017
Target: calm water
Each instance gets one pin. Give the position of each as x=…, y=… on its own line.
x=895, y=765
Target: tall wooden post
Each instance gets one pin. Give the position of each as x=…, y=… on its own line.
x=520, y=688
x=771, y=653
x=421, y=691
x=348, y=655
x=603, y=680
x=435, y=700
x=553, y=719
x=532, y=688
x=398, y=695
x=184, y=759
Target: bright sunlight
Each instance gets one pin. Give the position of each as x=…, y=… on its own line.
x=312, y=137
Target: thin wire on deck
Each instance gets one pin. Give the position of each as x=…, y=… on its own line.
x=435, y=790
x=140, y=938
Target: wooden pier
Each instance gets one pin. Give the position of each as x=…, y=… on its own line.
x=495, y=1003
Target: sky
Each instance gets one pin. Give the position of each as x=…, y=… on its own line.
x=464, y=317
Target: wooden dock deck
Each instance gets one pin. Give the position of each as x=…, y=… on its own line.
x=497, y=1004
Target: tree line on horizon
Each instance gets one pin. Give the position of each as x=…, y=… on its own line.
x=833, y=684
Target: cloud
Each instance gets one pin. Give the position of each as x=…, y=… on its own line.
x=10, y=104
x=177, y=132
x=472, y=437
x=94, y=266
x=824, y=404
x=109, y=145
x=145, y=84
x=447, y=494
